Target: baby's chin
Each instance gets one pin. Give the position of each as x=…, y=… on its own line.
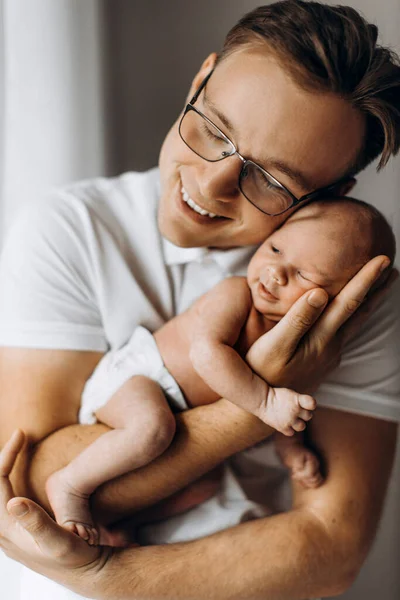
x=271, y=312
x=275, y=318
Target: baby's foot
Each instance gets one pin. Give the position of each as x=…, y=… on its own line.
x=304, y=466
x=286, y=410
x=71, y=508
x=302, y=462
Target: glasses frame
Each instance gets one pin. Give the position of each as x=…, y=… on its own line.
x=320, y=192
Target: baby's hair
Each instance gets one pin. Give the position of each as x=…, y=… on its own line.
x=377, y=234
x=382, y=237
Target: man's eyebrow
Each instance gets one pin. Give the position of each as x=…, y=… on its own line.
x=302, y=180
x=223, y=118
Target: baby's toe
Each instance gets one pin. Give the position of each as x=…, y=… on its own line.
x=83, y=531
x=93, y=539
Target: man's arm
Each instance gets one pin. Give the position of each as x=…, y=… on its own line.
x=40, y=393
x=316, y=549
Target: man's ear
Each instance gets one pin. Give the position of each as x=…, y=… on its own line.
x=347, y=186
x=205, y=69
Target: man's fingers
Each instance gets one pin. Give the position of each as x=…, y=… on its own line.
x=8, y=456
x=345, y=304
x=287, y=334
x=9, y=453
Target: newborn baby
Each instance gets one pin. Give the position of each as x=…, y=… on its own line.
x=197, y=357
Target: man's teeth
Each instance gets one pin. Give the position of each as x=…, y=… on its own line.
x=195, y=206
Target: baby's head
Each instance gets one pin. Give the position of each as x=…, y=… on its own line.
x=322, y=245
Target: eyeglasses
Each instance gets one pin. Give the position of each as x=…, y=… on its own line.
x=260, y=188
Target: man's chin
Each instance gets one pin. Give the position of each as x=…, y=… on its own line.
x=178, y=238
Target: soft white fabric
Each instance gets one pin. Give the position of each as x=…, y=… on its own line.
x=140, y=356
x=85, y=267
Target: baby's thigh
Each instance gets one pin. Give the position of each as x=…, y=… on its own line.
x=140, y=400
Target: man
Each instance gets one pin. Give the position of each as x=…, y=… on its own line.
x=304, y=116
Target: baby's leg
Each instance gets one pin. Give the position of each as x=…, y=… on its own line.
x=143, y=427
x=304, y=465
x=286, y=410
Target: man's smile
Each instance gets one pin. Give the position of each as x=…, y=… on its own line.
x=198, y=212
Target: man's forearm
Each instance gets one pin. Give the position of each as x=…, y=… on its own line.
x=205, y=437
x=284, y=557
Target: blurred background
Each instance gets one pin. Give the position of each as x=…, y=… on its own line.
x=90, y=87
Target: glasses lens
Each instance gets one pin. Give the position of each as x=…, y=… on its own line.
x=204, y=138
x=264, y=191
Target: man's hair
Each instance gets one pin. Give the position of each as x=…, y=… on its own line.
x=332, y=49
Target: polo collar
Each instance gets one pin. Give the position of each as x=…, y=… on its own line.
x=228, y=260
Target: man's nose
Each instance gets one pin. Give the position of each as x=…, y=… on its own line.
x=220, y=180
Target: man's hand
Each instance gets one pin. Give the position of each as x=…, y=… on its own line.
x=308, y=342
x=30, y=536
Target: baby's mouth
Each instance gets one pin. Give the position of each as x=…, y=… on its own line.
x=265, y=292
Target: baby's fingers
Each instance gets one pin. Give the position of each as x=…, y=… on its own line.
x=307, y=402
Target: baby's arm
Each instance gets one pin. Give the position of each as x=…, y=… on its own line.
x=219, y=317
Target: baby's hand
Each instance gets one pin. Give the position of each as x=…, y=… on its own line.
x=286, y=410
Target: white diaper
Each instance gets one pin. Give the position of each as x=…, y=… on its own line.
x=140, y=356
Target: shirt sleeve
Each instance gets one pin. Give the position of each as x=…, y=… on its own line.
x=48, y=278
x=368, y=378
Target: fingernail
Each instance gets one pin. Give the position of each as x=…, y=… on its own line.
x=317, y=298
x=384, y=266
x=19, y=510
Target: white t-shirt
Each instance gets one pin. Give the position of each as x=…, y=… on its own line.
x=81, y=269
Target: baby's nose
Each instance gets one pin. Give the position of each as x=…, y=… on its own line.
x=278, y=274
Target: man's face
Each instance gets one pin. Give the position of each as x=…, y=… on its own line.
x=316, y=248
x=305, y=140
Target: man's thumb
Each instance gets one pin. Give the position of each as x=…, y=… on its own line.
x=37, y=523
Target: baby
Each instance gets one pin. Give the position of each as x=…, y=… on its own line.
x=197, y=357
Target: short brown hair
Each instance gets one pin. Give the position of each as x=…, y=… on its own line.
x=332, y=49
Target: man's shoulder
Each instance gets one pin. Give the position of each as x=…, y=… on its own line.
x=115, y=204
x=133, y=191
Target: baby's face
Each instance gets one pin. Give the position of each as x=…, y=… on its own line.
x=311, y=250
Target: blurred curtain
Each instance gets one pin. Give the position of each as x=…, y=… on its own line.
x=51, y=115
x=51, y=106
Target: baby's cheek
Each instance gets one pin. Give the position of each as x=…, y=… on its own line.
x=295, y=294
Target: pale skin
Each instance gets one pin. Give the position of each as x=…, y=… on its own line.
x=202, y=349
x=289, y=556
